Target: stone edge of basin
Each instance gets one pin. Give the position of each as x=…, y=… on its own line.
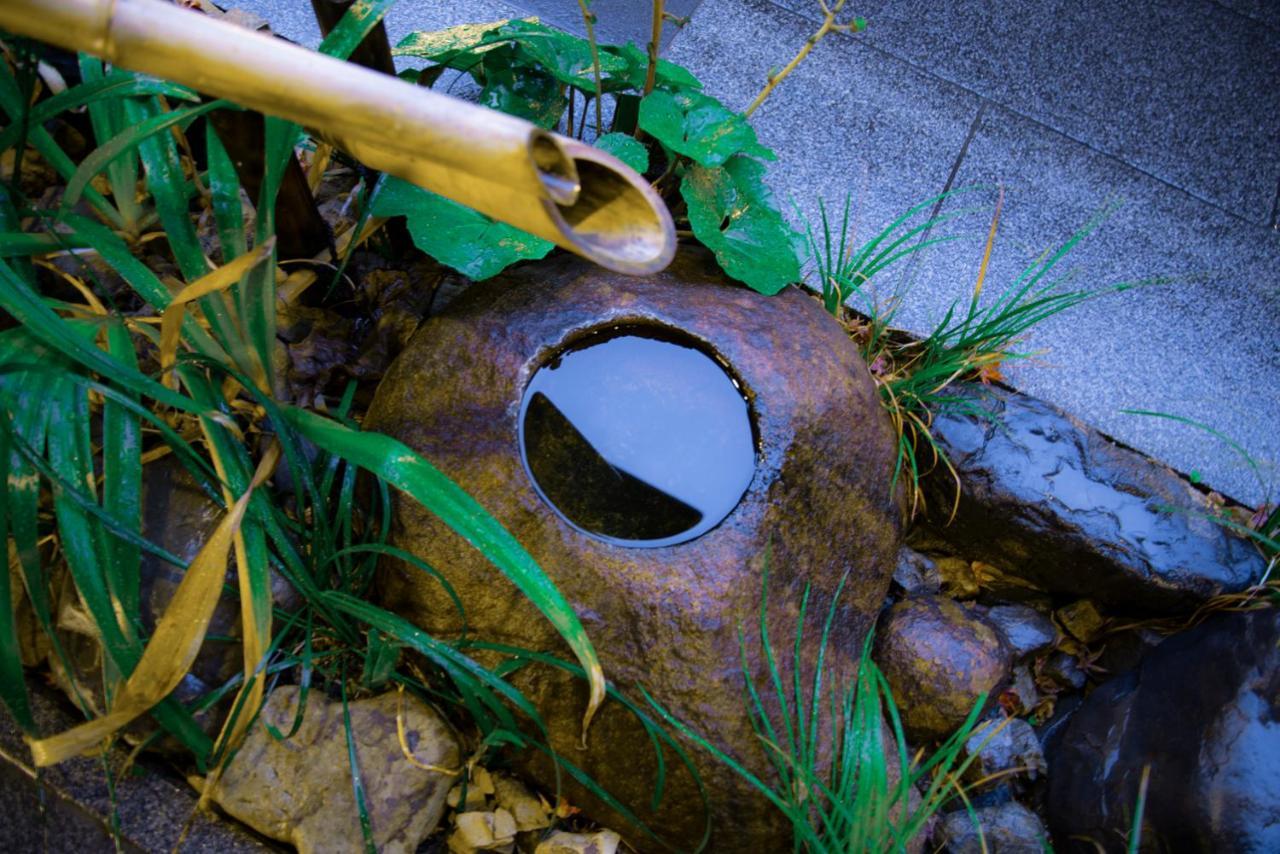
x=153, y=807
x=1068, y=510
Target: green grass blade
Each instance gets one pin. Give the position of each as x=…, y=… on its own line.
x=13, y=685
x=394, y=462
x=224, y=189
x=358, y=22
x=122, y=481
x=107, y=119
x=126, y=141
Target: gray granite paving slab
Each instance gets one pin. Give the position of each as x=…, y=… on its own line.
x=1265, y=11
x=294, y=19
x=1204, y=346
x=617, y=21
x=1183, y=89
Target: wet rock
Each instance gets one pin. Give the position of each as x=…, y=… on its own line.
x=1008, y=747
x=298, y=790
x=1203, y=711
x=666, y=617
x=1024, y=629
x=1061, y=506
x=938, y=660
x=604, y=842
x=1009, y=828
x=1063, y=670
x=916, y=572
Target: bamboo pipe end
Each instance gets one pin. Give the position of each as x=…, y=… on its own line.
x=615, y=219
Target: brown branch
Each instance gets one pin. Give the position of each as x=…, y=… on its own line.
x=829, y=26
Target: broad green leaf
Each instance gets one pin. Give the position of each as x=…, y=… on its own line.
x=699, y=127
x=521, y=91
x=451, y=41
x=627, y=149
x=468, y=241
x=564, y=56
x=733, y=214
x=669, y=75
x=13, y=685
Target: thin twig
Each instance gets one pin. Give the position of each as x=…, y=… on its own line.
x=589, y=19
x=655, y=38
x=829, y=26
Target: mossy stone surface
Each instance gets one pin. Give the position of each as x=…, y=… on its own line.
x=668, y=618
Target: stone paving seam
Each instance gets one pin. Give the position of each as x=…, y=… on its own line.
x=960, y=84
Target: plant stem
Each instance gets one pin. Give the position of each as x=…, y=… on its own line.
x=829, y=26
x=590, y=20
x=651, y=74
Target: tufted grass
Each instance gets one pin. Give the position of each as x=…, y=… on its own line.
x=972, y=340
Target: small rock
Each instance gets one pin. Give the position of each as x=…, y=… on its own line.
x=958, y=580
x=916, y=572
x=938, y=659
x=1008, y=747
x=1081, y=619
x=1026, y=630
x=527, y=808
x=1009, y=828
x=1063, y=670
x=603, y=842
x=483, y=831
x=298, y=790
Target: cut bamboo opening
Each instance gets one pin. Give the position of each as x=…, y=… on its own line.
x=552, y=186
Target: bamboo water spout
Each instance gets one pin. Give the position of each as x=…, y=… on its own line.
x=553, y=186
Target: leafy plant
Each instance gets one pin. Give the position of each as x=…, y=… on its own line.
x=113, y=365
x=864, y=796
x=701, y=155
x=969, y=343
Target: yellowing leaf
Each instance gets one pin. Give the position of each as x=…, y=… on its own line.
x=175, y=643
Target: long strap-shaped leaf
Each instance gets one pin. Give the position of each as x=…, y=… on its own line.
x=400, y=466
x=175, y=643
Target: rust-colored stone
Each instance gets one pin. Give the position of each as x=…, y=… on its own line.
x=668, y=618
x=938, y=659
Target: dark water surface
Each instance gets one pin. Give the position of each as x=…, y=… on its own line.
x=637, y=438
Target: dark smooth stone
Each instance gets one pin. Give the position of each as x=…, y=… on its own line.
x=1203, y=712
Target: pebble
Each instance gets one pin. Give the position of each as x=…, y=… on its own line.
x=602, y=842
x=1008, y=747
x=916, y=572
x=1025, y=629
x=1009, y=828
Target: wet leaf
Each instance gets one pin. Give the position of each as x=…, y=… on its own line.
x=699, y=127
x=669, y=75
x=441, y=44
x=627, y=149
x=565, y=57
x=519, y=91
x=457, y=236
x=733, y=214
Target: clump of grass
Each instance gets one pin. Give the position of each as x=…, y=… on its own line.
x=970, y=343
x=864, y=795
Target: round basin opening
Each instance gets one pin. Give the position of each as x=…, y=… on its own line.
x=637, y=436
